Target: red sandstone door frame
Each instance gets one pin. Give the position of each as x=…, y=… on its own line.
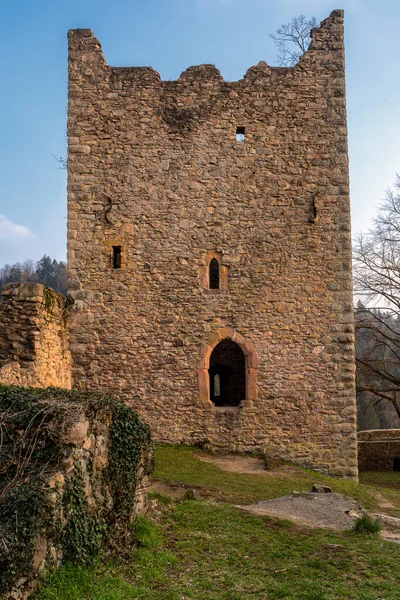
x=251, y=359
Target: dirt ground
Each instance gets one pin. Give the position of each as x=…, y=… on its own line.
x=246, y=464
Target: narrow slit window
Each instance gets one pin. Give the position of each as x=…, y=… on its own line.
x=314, y=208
x=240, y=134
x=116, y=258
x=214, y=274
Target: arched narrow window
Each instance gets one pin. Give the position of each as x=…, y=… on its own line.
x=214, y=274
x=227, y=372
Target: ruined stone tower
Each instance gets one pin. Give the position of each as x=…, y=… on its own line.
x=209, y=250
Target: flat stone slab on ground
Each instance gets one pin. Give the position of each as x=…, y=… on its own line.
x=387, y=521
x=332, y=511
x=390, y=527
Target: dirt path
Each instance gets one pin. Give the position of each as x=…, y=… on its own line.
x=246, y=464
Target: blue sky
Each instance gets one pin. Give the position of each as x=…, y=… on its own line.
x=171, y=35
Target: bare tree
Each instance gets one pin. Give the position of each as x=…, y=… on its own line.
x=377, y=285
x=293, y=39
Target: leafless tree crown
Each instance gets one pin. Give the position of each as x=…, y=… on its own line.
x=377, y=286
x=293, y=39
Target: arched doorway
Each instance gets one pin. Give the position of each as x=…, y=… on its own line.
x=227, y=372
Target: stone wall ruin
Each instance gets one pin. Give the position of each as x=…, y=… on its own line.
x=34, y=336
x=160, y=182
x=379, y=450
x=69, y=481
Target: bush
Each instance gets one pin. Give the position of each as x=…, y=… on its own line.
x=365, y=524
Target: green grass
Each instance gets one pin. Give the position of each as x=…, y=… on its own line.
x=390, y=479
x=181, y=464
x=209, y=550
x=213, y=551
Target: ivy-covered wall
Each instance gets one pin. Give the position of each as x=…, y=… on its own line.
x=73, y=474
x=34, y=339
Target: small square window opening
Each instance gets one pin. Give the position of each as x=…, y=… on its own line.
x=240, y=134
x=116, y=257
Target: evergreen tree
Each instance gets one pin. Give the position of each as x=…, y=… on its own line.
x=47, y=271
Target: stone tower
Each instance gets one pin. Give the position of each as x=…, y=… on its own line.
x=209, y=250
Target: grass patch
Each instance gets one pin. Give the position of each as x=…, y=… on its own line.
x=283, y=523
x=212, y=550
x=161, y=498
x=390, y=479
x=208, y=550
x=182, y=464
x=147, y=534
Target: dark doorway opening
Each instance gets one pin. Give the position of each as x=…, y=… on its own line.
x=396, y=463
x=227, y=372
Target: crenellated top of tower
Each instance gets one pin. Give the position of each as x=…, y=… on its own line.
x=327, y=40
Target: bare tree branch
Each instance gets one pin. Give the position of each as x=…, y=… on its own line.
x=62, y=162
x=377, y=317
x=293, y=39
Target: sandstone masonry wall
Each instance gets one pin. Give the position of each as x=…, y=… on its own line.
x=155, y=169
x=379, y=450
x=34, y=339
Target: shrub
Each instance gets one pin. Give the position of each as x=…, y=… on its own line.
x=365, y=524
